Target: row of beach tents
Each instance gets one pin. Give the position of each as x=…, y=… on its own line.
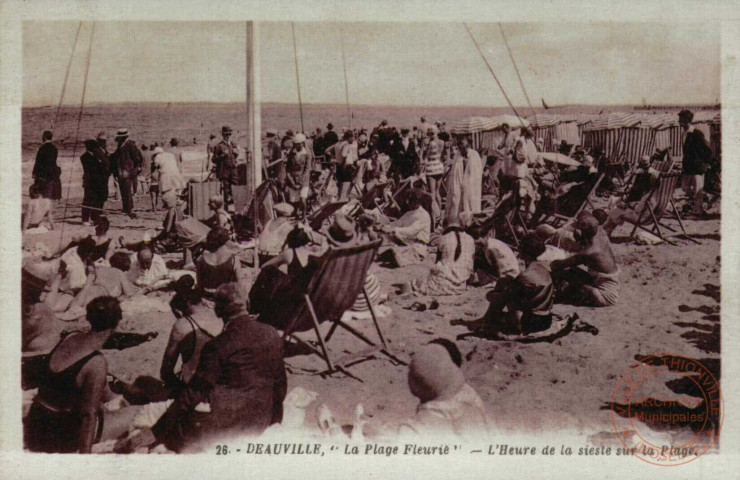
x=623, y=136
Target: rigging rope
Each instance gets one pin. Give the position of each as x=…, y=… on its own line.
x=66, y=77
x=77, y=132
x=346, y=84
x=490, y=69
x=297, y=77
x=521, y=83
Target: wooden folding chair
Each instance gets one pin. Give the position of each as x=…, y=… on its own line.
x=558, y=217
x=333, y=289
x=656, y=206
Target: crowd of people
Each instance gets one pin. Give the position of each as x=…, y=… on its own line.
x=486, y=216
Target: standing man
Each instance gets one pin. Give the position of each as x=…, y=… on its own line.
x=45, y=171
x=403, y=155
x=272, y=156
x=696, y=158
x=330, y=137
x=224, y=163
x=126, y=162
x=96, y=171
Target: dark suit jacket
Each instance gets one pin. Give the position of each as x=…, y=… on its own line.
x=46, y=162
x=95, y=168
x=404, y=156
x=126, y=160
x=241, y=372
x=696, y=153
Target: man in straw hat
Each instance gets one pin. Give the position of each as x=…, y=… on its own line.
x=224, y=162
x=126, y=163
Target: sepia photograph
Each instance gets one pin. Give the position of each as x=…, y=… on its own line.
x=349, y=239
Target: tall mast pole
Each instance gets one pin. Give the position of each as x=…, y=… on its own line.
x=254, y=126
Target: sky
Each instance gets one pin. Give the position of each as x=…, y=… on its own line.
x=387, y=63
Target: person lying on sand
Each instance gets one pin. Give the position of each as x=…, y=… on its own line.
x=103, y=281
x=67, y=414
x=597, y=287
x=149, y=270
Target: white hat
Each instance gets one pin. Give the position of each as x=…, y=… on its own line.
x=284, y=209
x=122, y=132
x=299, y=138
x=158, y=150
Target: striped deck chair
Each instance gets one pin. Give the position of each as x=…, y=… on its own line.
x=332, y=291
x=661, y=197
x=558, y=217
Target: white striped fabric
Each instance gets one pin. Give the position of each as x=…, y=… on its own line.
x=372, y=286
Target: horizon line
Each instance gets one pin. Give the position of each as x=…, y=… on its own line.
x=359, y=105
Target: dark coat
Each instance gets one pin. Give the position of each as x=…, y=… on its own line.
x=126, y=161
x=95, y=167
x=329, y=139
x=242, y=374
x=696, y=153
x=404, y=158
x=45, y=167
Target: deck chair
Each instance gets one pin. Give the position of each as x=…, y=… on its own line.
x=333, y=289
x=661, y=197
x=558, y=217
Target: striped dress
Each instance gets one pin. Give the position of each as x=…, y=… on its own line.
x=434, y=164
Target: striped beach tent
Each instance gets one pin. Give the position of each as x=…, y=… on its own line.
x=485, y=132
x=622, y=136
x=550, y=127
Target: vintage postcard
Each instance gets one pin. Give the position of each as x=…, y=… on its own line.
x=356, y=240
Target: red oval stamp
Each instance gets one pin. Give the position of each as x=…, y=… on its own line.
x=667, y=409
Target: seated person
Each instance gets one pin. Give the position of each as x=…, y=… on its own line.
x=196, y=325
x=494, y=259
x=409, y=235
x=523, y=304
x=631, y=206
x=67, y=415
x=454, y=266
x=272, y=239
x=63, y=277
x=282, y=281
x=104, y=248
x=149, y=270
x=38, y=209
x=220, y=217
x=240, y=372
x=218, y=264
x=448, y=404
x=597, y=287
x=104, y=281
